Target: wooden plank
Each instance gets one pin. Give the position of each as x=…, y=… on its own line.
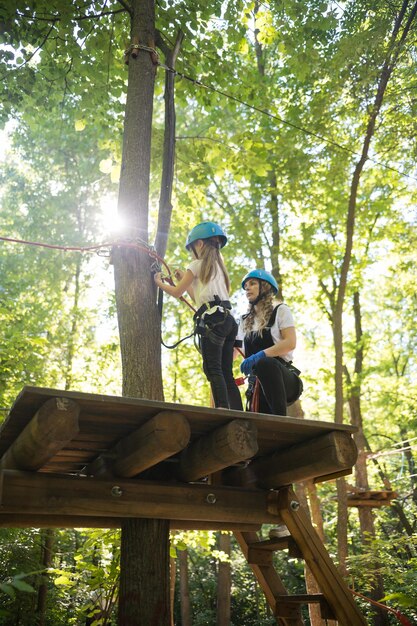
x=328, y=578
x=162, y=436
x=51, y=428
x=234, y=442
x=41, y=493
x=21, y=520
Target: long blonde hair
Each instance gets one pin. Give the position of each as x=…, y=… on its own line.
x=212, y=259
x=261, y=311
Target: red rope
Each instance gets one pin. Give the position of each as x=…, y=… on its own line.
x=401, y=618
x=110, y=244
x=126, y=244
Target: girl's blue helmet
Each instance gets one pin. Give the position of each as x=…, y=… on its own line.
x=205, y=230
x=261, y=275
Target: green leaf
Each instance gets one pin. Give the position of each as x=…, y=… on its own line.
x=21, y=585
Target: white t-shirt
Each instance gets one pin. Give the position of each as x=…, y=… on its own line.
x=216, y=286
x=283, y=319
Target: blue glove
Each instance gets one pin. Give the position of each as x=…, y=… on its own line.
x=248, y=364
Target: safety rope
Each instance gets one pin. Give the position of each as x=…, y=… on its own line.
x=401, y=618
x=140, y=244
x=143, y=246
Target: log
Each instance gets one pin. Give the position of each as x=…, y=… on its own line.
x=328, y=454
x=21, y=520
x=43, y=493
x=229, y=444
x=51, y=428
x=162, y=436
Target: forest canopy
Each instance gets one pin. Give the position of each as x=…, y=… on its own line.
x=296, y=130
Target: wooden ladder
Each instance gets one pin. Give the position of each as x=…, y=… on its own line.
x=336, y=601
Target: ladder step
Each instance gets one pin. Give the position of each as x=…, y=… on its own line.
x=278, y=543
x=283, y=602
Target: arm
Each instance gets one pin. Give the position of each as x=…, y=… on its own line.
x=284, y=345
x=178, y=289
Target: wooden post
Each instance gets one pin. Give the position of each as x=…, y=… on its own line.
x=52, y=427
x=232, y=443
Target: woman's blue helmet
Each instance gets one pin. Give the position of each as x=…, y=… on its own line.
x=205, y=230
x=261, y=275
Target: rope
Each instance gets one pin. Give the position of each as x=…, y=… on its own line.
x=401, y=618
x=108, y=245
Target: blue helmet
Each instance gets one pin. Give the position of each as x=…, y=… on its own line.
x=205, y=230
x=261, y=275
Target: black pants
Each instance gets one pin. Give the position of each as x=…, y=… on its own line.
x=217, y=344
x=279, y=386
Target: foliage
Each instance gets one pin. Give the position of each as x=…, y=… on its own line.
x=267, y=148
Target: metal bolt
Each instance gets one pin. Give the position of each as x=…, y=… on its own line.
x=294, y=505
x=211, y=498
x=116, y=492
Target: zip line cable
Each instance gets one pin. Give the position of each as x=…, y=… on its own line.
x=273, y=116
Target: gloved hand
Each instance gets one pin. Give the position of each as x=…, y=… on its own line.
x=248, y=364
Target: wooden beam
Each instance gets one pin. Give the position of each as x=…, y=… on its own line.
x=327, y=454
x=49, y=494
x=162, y=436
x=315, y=555
x=20, y=520
x=51, y=428
x=232, y=443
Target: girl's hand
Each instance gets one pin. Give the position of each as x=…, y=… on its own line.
x=158, y=278
x=179, y=274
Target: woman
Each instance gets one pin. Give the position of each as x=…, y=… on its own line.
x=207, y=281
x=269, y=339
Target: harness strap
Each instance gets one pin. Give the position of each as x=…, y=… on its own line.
x=225, y=304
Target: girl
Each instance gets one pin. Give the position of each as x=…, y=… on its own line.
x=269, y=340
x=207, y=282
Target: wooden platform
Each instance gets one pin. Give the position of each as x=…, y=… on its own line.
x=104, y=420
x=70, y=459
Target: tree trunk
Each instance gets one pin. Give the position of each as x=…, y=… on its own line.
x=144, y=584
x=47, y=539
x=224, y=583
x=173, y=575
x=144, y=569
x=366, y=518
x=186, y=617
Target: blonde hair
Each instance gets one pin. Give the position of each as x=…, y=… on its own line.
x=262, y=312
x=212, y=259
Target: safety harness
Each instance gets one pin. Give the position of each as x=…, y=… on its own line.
x=260, y=343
